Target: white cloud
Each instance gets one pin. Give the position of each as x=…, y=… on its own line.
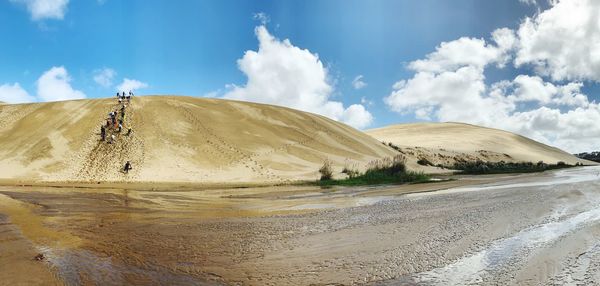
x=358, y=82
x=14, y=94
x=366, y=101
x=356, y=115
x=262, y=17
x=528, y=2
x=104, y=77
x=45, y=9
x=533, y=88
x=283, y=74
x=468, y=52
x=131, y=84
x=54, y=85
x=449, y=85
x=563, y=42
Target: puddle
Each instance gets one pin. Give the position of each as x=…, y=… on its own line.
x=33, y=226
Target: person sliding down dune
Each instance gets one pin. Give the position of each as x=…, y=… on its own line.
x=127, y=167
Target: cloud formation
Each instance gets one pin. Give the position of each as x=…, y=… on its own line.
x=104, y=77
x=283, y=74
x=262, y=17
x=131, y=85
x=358, y=82
x=449, y=83
x=563, y=42
x=54, y=85
x=45, y=9
x=528, y=2
x=14, y=94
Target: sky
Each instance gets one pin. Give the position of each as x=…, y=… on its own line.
x=526, y=66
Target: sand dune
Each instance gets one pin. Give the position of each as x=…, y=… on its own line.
x=175, y=139
x=444, y=143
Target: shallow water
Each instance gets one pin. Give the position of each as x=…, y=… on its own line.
x=300, y=235
x=559, y=177
x=565, y=220
x=471, y=269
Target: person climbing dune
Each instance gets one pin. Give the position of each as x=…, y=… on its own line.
x=127, y=167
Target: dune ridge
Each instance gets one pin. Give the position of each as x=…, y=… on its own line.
x=447, y=143
x=175, y=139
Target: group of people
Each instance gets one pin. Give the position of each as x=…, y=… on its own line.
x=115, y=123
x=122, y=97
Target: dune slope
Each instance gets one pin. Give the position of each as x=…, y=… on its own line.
x=445, y=143
x=175, y=139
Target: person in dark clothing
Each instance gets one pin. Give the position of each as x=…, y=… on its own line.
x=127, y=167
x=102, y=132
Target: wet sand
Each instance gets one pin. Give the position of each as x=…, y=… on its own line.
x=524, y=229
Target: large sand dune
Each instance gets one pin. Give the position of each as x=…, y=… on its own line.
x=175, y=139
x=445, y=143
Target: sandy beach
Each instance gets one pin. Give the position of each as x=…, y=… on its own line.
x=532, y=229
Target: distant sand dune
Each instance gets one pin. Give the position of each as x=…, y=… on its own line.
x=445, y=143
x=175, y=139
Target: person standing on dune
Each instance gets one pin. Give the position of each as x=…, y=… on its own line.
x=127, y=167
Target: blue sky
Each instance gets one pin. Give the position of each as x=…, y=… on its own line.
x=193, y=47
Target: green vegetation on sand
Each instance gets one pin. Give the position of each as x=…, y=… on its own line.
x=384, y=171
x=480, y=167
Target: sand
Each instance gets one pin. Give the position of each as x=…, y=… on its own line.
x=175, y=139
x=510, y=230
x=446, y=143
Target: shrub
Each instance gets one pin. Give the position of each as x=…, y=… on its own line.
x=326, y=171
x=393, y=146
x=424, y=162
x=350, y=169
x=561, y=164
x=396, y=164
x=480, y=167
